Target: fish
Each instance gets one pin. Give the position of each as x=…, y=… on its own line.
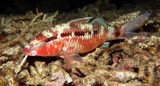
x=68, y=38
x=79, y=36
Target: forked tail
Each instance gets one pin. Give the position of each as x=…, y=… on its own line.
x=135, y=23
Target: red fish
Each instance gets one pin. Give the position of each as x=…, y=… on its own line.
x=78, y=36
x=74, y=37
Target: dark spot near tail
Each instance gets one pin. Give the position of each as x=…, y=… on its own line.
x=117, y=33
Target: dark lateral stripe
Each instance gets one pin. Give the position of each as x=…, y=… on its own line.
x=67, y=34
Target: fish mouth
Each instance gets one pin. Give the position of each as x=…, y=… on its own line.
x=29, y=52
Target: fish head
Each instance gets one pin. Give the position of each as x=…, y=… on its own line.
x=37, y=48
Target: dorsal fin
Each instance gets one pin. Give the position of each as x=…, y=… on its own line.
x=79, y=20
x=99, y=21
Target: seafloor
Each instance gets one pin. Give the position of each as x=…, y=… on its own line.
x=131, y=62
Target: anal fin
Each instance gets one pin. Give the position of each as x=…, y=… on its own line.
x=105, y=45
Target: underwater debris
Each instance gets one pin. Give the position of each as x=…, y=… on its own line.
x=59, y=79
x=7, y=77
x=106, y=77
x=41, y=74
x=141, y=50
x=11, y=50
x=156, y=82
x=35, y=18
x=2, y=80
x=135, y=65
x=3, y=59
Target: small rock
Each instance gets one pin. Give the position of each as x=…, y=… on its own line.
x=9, y=30
x=11, y=50
x=3, y=58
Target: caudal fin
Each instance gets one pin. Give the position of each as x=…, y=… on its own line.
x=136, y=23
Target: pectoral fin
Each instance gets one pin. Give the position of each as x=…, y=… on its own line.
x=69, y=59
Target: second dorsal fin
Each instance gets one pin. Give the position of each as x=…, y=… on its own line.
x=99, y=21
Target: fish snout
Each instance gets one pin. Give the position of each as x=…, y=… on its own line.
x=29, y=52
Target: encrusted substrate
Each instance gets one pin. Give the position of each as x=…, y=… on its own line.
x=131, y=62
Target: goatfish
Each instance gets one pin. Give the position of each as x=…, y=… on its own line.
x=78, y=36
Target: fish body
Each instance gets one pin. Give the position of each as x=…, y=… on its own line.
x=78, y=36
x=70, y=38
